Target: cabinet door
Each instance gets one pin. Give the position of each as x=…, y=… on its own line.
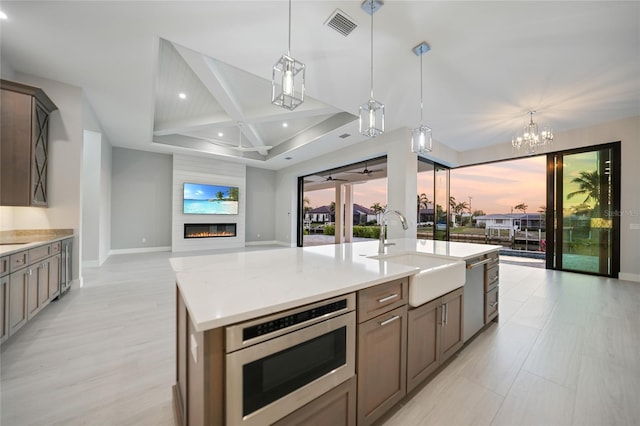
x=18, y=288
x=40, y=123
x=33, y=301
x=336, y=408
x=423, y=342
x=381, y=363
x=4, y=308
x=43, y=283
x=54, y=277
x=452, y=333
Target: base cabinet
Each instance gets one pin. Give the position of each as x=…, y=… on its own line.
x=19, y=284
x=382, y=362
x=4, y=308
x=435, y=333
x=336, y=408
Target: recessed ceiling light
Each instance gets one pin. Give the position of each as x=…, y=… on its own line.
x=3, y=15
x=220, y=134
x=285, y=124
x=182, y=95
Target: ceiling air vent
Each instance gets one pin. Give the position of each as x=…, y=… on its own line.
x=344, y=135
x=340, y=22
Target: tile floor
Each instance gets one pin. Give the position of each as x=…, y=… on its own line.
x=564, y=352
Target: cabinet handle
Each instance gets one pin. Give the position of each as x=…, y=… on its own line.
x=495, y=279
x=494, y=304
x=482, y=262
x=386, y=299
x=442, y=315
x=389, y=321
x=446, y=313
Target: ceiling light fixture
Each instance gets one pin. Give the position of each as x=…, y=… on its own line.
x=285, y=124
x=220, y=134
x=421, y=139
x=182, y=95
x=530, y=138
x=372, y=112
x=3, y=15
x=287, y=80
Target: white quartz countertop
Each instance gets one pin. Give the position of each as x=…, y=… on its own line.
x=222, y=289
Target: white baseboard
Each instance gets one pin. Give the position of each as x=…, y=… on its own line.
x=265, y=243
x=629, y=277
x=139, y=250
x=91, y=263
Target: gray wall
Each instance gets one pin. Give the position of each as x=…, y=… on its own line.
x=141, y=185
x=261, y=205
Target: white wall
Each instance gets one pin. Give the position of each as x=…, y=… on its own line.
x=91, y=174
x=207, y=171
x=261, y=206
x=141, y=201
x=627, y=131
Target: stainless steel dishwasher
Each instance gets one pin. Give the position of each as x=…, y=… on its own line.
x=474, y=296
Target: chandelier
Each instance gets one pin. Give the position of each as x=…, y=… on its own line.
x=421, y=140
x=531, y=140
x=371, y=112
x=287, y=81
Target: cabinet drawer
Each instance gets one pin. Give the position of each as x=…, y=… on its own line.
x=379, y=299
x=492, y=277
x=18, y=260
x=4, y=266
x=491, y=304
x=39, y=253
x=55, y=248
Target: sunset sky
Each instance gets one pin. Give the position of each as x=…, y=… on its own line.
x=494, y=188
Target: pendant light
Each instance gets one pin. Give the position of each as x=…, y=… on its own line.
x=531, y=140
x=421, y=140
x=371, y=112
x=287, y=80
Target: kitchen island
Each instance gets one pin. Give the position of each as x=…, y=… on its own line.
x=283, y=292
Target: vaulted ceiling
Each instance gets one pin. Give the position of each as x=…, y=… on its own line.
x=576, y=63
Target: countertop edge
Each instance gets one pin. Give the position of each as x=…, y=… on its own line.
x=30, y=245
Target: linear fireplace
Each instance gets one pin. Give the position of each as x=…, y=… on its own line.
x=209, y=230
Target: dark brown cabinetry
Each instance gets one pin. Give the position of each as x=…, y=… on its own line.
x=4, y=298
x=435, y=333
x=24, y=133
x=30, y=282
x=381, y=349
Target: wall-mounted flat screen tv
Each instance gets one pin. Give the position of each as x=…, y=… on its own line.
x=209, y=199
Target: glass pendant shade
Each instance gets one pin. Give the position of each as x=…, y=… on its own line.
x=421, y=140
x=372, y=118
x=287, y=83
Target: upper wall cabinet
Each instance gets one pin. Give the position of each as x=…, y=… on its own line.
x=23, y=144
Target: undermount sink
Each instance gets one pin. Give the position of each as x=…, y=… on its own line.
x=437, y=276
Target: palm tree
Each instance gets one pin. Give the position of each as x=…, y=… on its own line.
x=459, y=208
x=423, y=202
x=377, y=208
x=521, y=206
x=306, y=205
x=589, y=184
x=219, y=195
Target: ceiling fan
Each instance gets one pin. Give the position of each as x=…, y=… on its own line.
x=366, y=171
x=332, y=179
x=239, y=146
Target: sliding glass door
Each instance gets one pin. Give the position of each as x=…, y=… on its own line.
x=584, y=193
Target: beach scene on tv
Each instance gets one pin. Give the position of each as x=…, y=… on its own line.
x=210, y=199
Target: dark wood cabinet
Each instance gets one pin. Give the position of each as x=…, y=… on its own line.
x=4, y=308
x=381, y=349
x=24, y=131
x=435, y=333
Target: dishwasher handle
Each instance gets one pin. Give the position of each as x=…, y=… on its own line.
x=482, y=262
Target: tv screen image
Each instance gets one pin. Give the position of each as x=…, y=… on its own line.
x=209, y=199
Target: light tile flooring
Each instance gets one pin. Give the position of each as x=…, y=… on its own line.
x=565, y=352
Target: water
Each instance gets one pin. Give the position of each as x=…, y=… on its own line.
x=210, y=207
